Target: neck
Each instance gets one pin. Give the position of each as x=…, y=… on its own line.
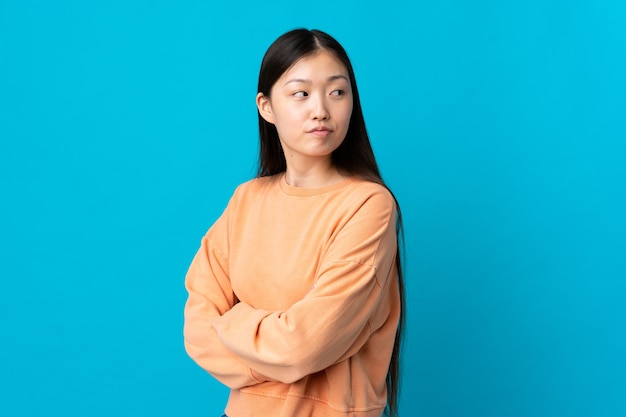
x=318, y=175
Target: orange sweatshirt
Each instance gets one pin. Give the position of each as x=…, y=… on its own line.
x=294, y=301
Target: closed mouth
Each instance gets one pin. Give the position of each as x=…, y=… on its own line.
x=320, y=129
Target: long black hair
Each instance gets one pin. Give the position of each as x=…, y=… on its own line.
x=354, y=156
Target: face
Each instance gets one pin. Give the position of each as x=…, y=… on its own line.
x=310, y=105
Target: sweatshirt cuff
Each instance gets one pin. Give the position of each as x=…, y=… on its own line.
x=234, y=326
x=232, y=316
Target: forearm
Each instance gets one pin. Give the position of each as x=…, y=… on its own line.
x=207, y=350
x=313, y=334
x=210, y=296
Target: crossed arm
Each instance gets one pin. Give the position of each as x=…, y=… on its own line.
x=240, y=345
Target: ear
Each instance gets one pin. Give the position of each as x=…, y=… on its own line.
x=265, y=107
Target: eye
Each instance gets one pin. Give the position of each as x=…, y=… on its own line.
x=300, y=94
x=337, y=93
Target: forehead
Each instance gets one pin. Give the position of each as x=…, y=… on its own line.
x=316, y=66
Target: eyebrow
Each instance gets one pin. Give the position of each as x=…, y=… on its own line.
x=305, y=81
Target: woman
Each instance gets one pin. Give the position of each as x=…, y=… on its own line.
x=295, y=295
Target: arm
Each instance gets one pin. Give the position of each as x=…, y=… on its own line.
x=210, y=296
x=332, y=322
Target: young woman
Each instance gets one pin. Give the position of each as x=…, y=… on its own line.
x=295, y=295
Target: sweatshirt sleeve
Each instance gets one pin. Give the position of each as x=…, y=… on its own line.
x=333, y=321
x=210, y=296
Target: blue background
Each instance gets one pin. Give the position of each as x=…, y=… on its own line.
x=126, y=125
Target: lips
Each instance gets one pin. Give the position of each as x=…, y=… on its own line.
x=321, y=132
x=320, y=129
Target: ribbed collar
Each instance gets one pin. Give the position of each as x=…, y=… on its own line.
x=309, y=192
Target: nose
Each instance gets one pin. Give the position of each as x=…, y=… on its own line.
x=320, y=109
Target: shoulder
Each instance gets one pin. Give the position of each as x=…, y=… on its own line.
x=371, y=194
x=363, y=202
x=255, y=186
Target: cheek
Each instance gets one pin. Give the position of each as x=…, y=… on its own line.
x=286, y=116
x=347, y=115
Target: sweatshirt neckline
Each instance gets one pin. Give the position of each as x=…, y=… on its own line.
x=310, y=192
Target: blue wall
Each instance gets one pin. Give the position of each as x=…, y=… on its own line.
x=126, y=125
